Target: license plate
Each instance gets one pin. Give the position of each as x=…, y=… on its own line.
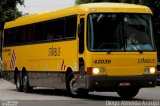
x=124, y=84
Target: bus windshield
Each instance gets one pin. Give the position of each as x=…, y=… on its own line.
x=119, y=32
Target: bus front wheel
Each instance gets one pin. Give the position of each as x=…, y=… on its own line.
x=128, y=93
x=72, y=86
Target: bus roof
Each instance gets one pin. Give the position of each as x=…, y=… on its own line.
x=79, y=9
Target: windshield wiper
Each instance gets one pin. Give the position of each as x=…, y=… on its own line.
x=109, y=51
x=140, y=51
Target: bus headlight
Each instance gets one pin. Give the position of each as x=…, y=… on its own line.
x=96, y=71
x=152, y=70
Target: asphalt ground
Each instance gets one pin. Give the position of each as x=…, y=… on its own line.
x=51, y=97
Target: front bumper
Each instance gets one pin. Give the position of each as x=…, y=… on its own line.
x=112, y=83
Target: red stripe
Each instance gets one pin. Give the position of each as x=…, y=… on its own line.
x=62, y=65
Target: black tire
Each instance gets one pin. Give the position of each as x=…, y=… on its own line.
x=72, y=86
x=128, y=93
x=19, y=83
x=26, y=87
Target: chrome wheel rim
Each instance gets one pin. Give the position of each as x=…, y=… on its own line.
x=25, y=82
x=73, y=86
x=18, y=82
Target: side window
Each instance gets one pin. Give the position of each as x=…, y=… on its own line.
x=26, y=33
x=23, y=33
x=38, y=35
x=48, y=30
x=30, y=33
x=71, y=27
x=59, y=28
x=7, y=37
x=10, y=36
x=16, y=37
x=81, y=36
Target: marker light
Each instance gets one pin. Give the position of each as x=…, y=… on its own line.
x=146, y=70
x=102, y=71
x=152, y=70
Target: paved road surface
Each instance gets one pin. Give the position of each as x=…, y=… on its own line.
x=51, y=97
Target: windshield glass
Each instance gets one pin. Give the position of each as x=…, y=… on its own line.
x=119, y=32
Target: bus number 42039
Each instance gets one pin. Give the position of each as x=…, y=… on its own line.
x=102, y=61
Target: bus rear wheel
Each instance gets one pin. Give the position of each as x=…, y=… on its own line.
x=19, y=82
x=26, y=87
x=128, y=93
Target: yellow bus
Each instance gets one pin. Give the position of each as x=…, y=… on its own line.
x=84, y=48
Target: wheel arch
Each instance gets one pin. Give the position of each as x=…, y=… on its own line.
x=69, y=73
x=24, y=71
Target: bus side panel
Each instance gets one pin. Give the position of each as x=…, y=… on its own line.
x=48, y=63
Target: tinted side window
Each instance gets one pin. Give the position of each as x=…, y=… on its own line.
x=26, y=33
x=71, y=26
x=48, y=30
x=56, y=29
x=23, y=33
x=81, y=36
x=11, y=36
x=29, y=33
x=59, y=28
x=16, y=37
x=7, y=38
x=38, y=35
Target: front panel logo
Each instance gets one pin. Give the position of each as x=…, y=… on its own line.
x=143, y=60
